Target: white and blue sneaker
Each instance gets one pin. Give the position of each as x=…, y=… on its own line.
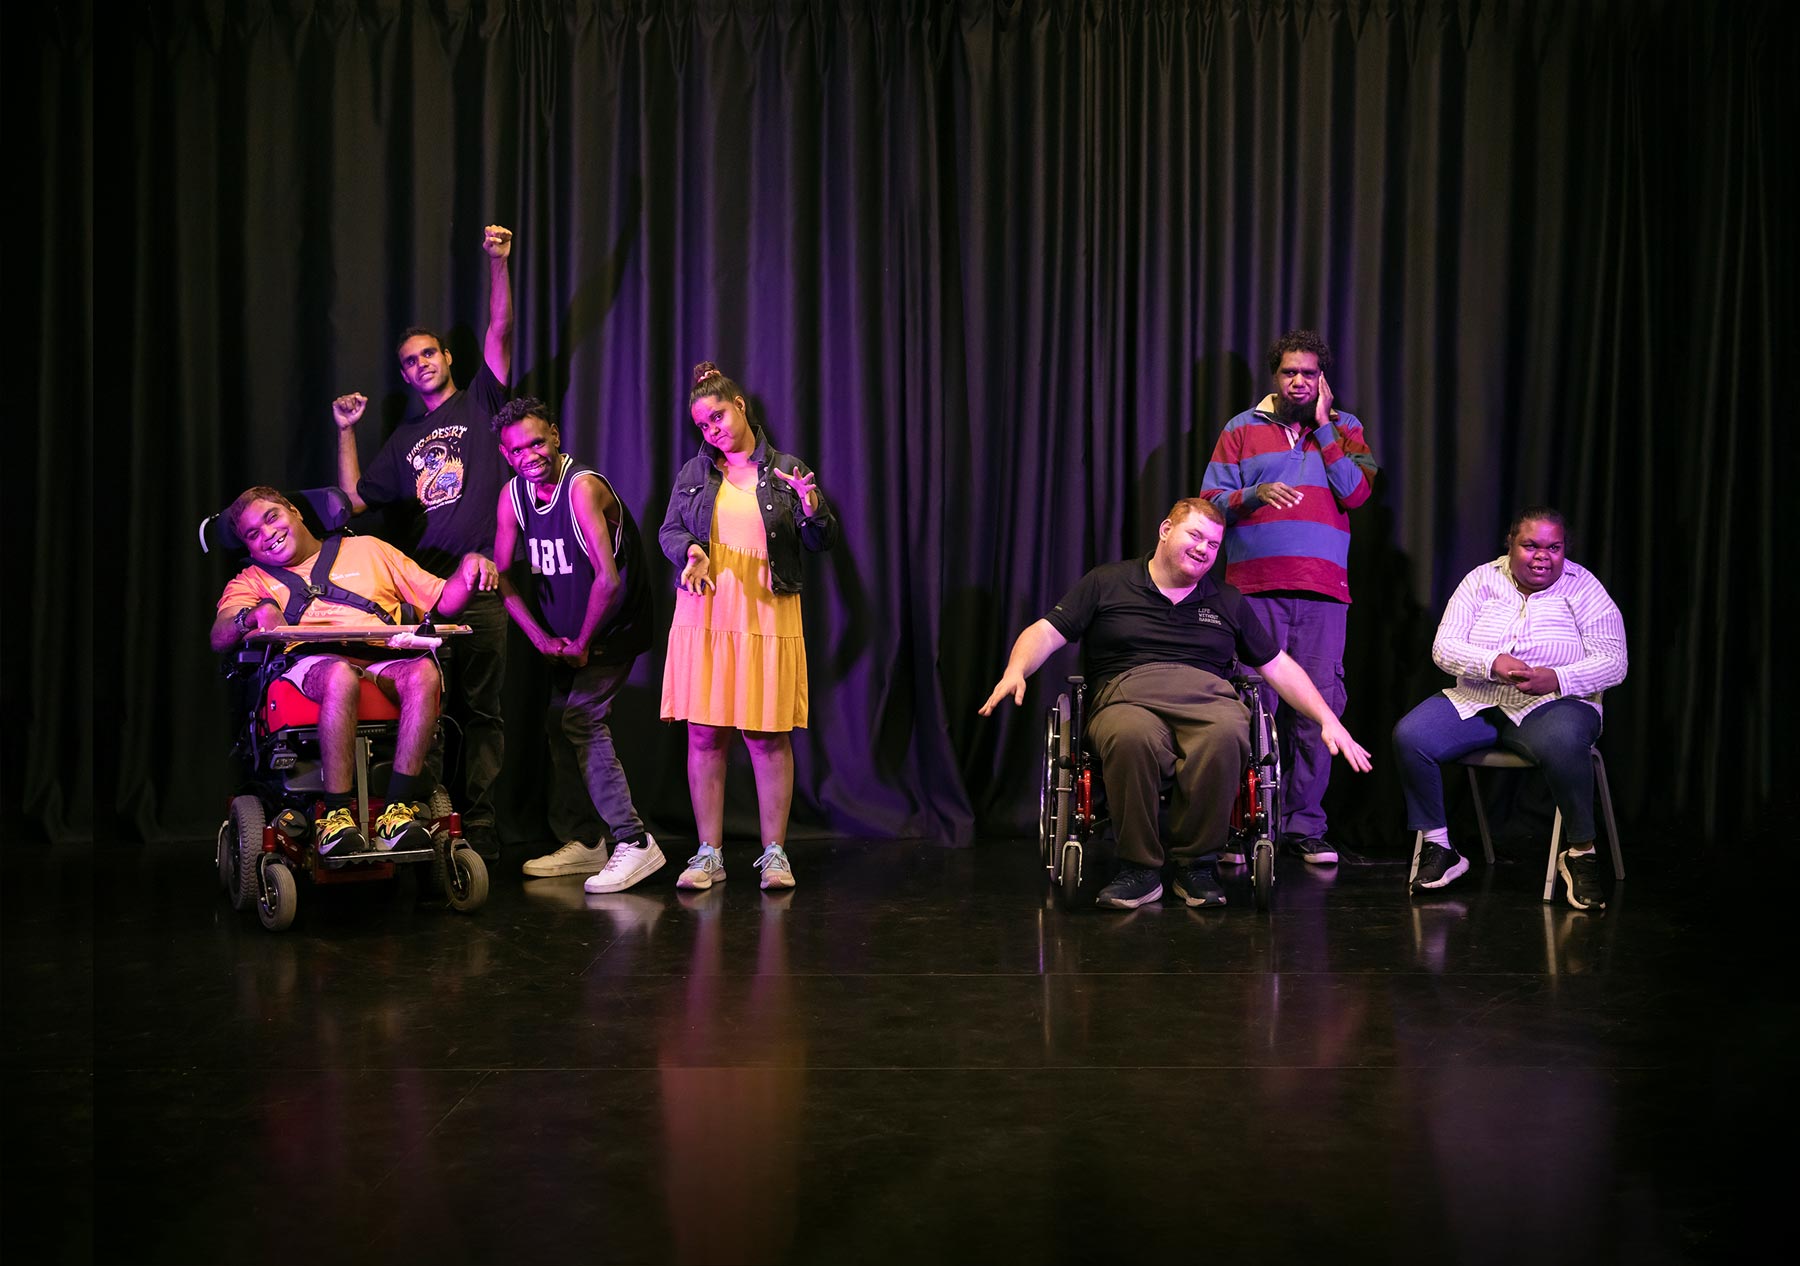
x=704, y=869
x=776, y=872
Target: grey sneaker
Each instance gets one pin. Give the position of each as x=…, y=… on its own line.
x=776, y=873
x=628, y=864
x=573, y=858
x=1132, y=887
x=704, y=869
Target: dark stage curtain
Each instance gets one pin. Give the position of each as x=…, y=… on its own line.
x=1000, y=272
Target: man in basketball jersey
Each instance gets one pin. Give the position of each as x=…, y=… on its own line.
x=572, y=577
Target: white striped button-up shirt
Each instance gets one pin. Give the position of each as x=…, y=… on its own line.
x=1573, y=627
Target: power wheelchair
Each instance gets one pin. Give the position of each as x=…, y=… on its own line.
x=267, y=839
x=1071, y=802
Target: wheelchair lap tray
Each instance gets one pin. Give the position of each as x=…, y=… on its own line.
x=404, y=637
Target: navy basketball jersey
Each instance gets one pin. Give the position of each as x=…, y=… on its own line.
x=561, y=575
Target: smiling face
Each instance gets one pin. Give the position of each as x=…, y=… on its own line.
x=274, y=534
x=424, y=364
x=532, y=447
x=1189, y=546
x=723, y=423
x=1535, y=555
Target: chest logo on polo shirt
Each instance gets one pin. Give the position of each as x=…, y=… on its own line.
x=1207, y=616
x=438, y=466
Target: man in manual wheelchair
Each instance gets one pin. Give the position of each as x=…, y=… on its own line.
x=1160, y=636
x=315, y=627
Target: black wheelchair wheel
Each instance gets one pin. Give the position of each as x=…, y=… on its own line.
x=246, y=842
x=225, y=853
x=465, y=879
x=276, y=908
x=1262, y=872
x=1068, y=881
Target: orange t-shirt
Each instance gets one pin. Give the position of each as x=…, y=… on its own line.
x=365, y=566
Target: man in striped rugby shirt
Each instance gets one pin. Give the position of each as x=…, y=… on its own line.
x=1532, y=639
x=1287, y=474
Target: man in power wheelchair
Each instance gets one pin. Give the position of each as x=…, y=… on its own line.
x=1159, y=638
x=314, y=625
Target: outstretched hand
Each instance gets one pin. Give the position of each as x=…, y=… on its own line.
x=1010, y=684
x=478, y=572
x=805, y=486
x=1339, y=743
x=496, y=241
x=347, y=409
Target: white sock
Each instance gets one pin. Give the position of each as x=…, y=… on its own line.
x=1439, y=835
x=1580, y=852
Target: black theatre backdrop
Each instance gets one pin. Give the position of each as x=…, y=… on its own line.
x=999, y=271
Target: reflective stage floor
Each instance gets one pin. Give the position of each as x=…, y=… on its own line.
x=907, y=1059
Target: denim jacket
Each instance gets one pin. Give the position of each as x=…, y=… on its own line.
x=689, y=519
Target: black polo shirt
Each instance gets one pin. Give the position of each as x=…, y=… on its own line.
x=1123, y=620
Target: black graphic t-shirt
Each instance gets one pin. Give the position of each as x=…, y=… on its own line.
x=1123, y=620
x=447, y=463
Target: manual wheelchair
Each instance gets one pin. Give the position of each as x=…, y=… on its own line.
x=266, y=839
x=1071, y=803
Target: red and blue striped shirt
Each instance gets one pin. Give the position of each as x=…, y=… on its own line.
x=1304, y=547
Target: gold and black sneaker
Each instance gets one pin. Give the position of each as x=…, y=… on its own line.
x=336, y=833
x=398, y=826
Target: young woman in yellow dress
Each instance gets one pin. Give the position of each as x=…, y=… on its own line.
x=738, y=520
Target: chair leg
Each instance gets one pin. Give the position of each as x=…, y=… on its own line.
x=1418, y=848
x=1550, y=870
x=1487, y=839
x=1606, y=809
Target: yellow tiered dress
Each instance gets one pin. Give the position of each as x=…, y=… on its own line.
x=737, y=656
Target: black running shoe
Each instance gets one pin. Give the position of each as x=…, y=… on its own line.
x=1132, y=887
x=1581, y=879
x=1198, y=884
x=1312, y=850
x=1439, y=865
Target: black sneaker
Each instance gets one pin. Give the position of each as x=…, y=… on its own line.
x=1439, y=865
x=1581, y=879
x=1132, y=887
x=1233, y=853
x=1312, y=850
x=1197, y=883
x=484, y=839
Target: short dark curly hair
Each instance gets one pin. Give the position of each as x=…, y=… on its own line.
x=1300, y=341
x=417, y=331
x=518, y=410
x=1535, y=514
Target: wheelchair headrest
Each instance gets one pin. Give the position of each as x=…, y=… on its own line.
x=323, y=510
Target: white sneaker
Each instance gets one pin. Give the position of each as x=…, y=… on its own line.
x=628, y=864
x=774, y=866
x=573, y=858
x=704, y=869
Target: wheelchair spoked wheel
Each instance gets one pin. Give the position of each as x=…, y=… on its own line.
x=242, y=845
x=1053, y=796
x=1262, y=872
x=276, y=907
x=465, y=879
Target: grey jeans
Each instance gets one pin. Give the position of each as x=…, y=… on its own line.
x=589, y=797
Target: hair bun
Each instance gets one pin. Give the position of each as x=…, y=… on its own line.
x=704, y=370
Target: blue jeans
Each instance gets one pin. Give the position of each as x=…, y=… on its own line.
x=1311, y=630
x=1557, y=736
